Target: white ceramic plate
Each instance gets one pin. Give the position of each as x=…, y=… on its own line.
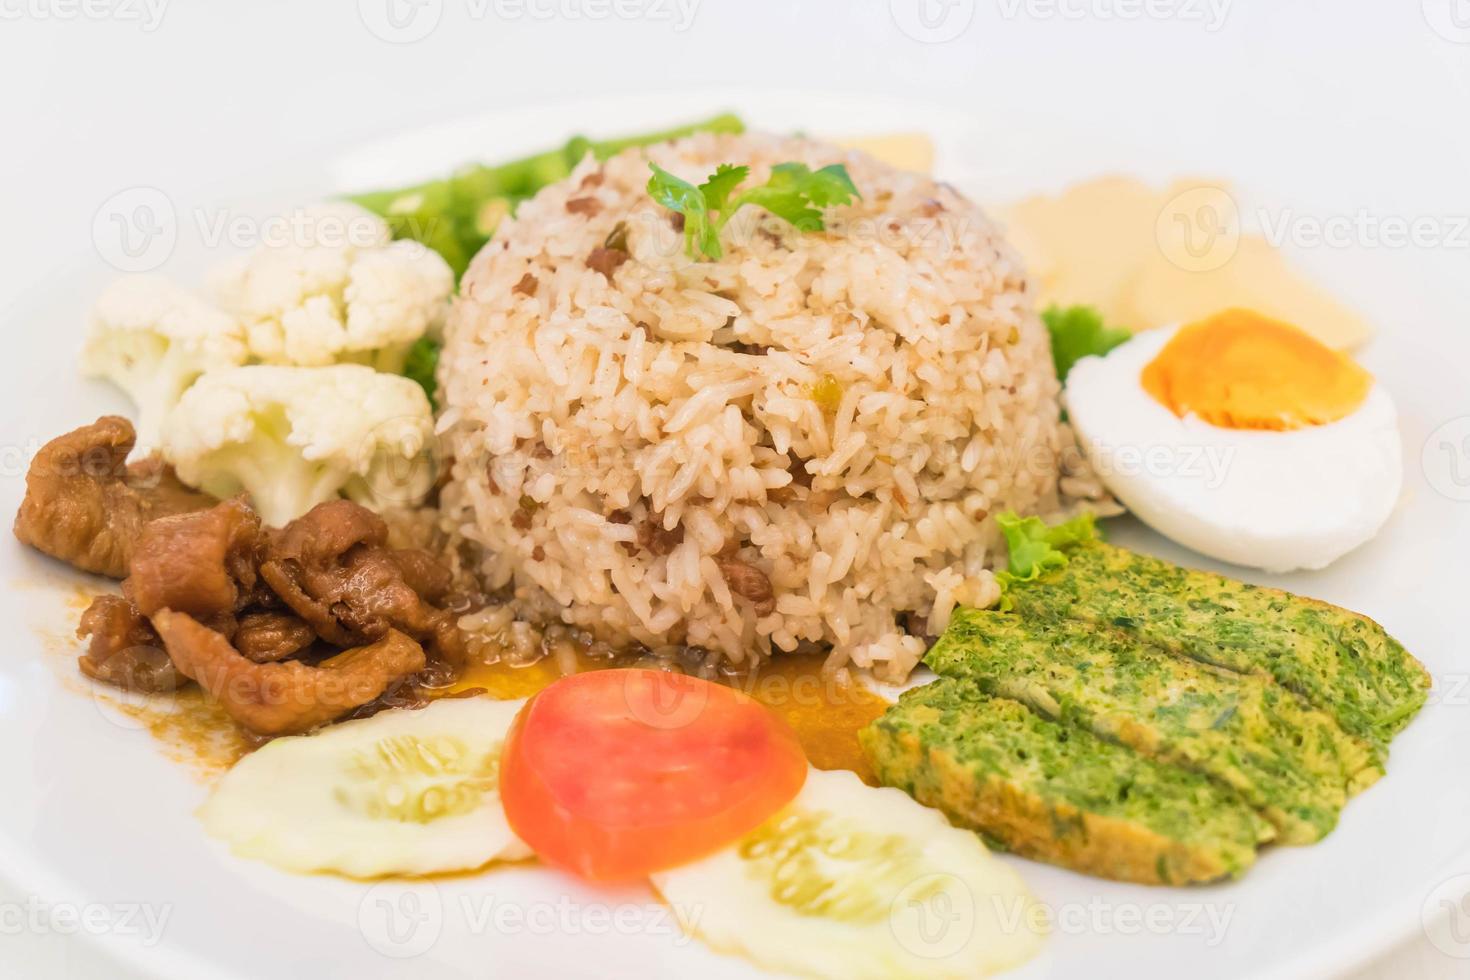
x=95, y=817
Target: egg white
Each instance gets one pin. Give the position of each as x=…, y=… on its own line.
x=1272, y=500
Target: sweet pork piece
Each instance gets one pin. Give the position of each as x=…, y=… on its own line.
x=333, y=569
x=87, y=507
x=124, y=650
x=203, y=564
x=266, y=637
x=425, y=574
x=240, y=609
x=290, y=697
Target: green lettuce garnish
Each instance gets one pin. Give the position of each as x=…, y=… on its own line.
x=1078, y=332
x=1037, y=547
x=794, y=192
x=422, y=365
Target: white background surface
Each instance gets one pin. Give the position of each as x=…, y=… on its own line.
x=1361, y=103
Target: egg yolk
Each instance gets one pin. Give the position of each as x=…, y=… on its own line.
x=1241, y=370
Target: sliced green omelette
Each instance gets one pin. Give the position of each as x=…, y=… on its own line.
x=1060, y=794
x=1287, y=759
x=1340, y=661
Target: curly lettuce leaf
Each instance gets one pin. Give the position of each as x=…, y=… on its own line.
x=1078, y=332
x=1037, y=547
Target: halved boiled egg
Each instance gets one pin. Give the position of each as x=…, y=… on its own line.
x=1243, y=438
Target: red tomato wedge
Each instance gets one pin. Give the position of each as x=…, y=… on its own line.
x=613, y=774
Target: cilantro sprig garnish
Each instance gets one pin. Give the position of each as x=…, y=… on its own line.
x=794, y=192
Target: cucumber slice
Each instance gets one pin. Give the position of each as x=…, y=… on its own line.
x=851, y=881
x=400, y=793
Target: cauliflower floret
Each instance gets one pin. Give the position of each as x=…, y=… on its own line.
x=336, y=289
x=295, y=437
x=153, y=339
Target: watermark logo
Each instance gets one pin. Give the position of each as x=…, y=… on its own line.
x=1363, y=229
x=1446, y=459
x=400, y=21
x=147, y=14
x=1450, y=19
x=1209, y=13
x=677, y=13
x=1446, y=917
x=135, y=230
x=488, y=915
x=933, y=916
x=401, y=460
x=1198, y=230
x=142, y=921
x=1207, y=467
x=1450, y=689
x=322, y=226
x=401, y=919
x=405, y=919
x=664, y=701
x=128, y=708
x=407, y=21
x=1208, y=921
x=932, y=21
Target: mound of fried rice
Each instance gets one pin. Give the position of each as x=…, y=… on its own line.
x=800, y=446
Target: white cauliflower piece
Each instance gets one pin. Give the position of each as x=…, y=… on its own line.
x=295, y=437
x=337, y=289
x=153, y=339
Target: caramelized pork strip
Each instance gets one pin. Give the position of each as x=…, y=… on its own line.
x=124, y=650
x=328, y=531
x=333, y=570
x=303, y=566
x=425, y=574
x=285, y=698
x=201, y=563
x=85, y=506
x=268, y=637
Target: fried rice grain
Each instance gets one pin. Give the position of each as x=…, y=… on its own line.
x=800, y=446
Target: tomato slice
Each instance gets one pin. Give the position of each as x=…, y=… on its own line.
x=614, y=774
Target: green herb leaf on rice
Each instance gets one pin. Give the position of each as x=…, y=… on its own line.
x=1036, y=547
x=794, y=193
x=722, y=184
x=683, y=197
x=1078, y=332
x=457, y=215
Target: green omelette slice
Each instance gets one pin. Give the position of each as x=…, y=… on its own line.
x=1056, y=793
x=1342, y=662
x=1287, y=759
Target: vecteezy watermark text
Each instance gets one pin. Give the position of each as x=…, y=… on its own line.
x=404, y=919
x=407, y=21
x=1205, y=466
x=1211, y=14
x=33, y=916
x=137, y=229
x=1364, y=229
x=147, y=14
x=1098, y=917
